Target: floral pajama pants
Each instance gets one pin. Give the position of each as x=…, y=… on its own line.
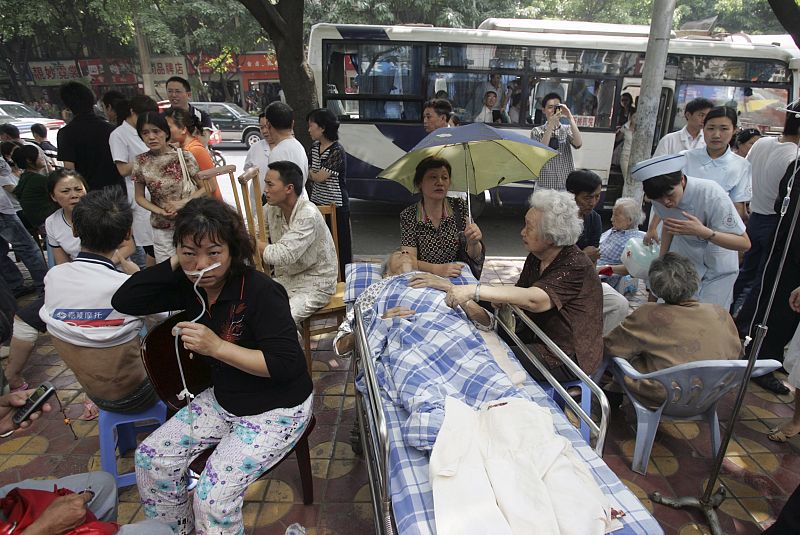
x=247, y=447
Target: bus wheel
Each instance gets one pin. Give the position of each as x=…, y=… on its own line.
x=478, y=204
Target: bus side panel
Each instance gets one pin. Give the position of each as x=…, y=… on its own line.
x=371, y=148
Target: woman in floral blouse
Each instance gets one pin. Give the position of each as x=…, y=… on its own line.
x=159, y=170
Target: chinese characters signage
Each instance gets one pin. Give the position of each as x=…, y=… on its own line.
x=54, y=72
x=120, y=71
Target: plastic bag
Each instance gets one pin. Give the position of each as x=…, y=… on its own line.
x=637, y=257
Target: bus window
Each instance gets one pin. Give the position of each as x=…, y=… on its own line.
x=591, y=101
x=757, y=106
x=374, y=70
x=466, y=92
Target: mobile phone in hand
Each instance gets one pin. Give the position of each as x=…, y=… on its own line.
x=33, y=403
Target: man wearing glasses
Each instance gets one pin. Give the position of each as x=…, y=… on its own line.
x=560, y=137
x=179, y=93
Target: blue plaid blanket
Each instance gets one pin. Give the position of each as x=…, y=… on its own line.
x=425, y=381
x=426, y=357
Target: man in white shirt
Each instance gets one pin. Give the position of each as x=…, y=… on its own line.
x=126, y=145
x=99, y=344
x=258, y=156
x=436, y=114
x=302, y=249
x=285, y=148
x=687, y=138
x=488, y=113
x=691, y=135
x=770, y=158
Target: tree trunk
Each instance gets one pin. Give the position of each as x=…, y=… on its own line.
x=788, y=14
x=283, y=22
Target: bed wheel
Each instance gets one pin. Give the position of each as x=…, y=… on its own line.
x=355, y=440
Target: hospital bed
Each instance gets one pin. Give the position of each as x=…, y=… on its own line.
x=398, y=473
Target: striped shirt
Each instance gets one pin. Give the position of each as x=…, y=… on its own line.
x=334, y=189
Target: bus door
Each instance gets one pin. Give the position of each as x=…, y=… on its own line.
x=665, y=105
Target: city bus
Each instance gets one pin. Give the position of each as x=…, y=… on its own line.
x=376, y=79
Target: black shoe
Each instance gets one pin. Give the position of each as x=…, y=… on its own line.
x=771, y=383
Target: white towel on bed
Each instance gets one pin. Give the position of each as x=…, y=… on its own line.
x=504, y=471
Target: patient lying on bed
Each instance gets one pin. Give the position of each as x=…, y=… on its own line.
x=518, y=476
x=399, y=262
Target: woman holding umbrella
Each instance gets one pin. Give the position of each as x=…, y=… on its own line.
x=437, y=230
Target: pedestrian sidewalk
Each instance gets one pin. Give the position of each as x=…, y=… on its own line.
x=759, y=475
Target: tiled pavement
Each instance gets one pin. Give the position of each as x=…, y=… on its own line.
x=758, y=474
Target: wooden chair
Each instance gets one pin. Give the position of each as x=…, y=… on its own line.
x=335, y=306
x=158, y=355
x=252, y=205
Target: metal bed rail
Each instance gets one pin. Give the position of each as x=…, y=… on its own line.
x=598, y=430
x=374, y=433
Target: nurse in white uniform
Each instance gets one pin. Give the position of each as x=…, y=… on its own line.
x=716, y=161
x=700, y=223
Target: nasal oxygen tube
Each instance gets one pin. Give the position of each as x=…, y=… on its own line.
x=176, y=331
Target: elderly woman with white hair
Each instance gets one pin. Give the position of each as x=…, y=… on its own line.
x=625, y=218
x=558, y=286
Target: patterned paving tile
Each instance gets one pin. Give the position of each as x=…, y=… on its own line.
x=758, y=474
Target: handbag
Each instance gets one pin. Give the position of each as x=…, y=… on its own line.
x=22, y=507
x=475, y=266
x=188, y=186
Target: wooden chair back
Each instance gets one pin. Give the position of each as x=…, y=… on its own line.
x=252, y=207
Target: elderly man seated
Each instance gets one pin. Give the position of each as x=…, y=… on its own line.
x=99, y=344
x=558, y=287
x=625, y=220
x=399, y=262
x=302, y=249
x=680, y=330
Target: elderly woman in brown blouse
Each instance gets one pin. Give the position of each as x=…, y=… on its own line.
x=679, y=330
x=433, y=229
x=558, y=287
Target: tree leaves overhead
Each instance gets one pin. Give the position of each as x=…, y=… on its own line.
x=751, y=16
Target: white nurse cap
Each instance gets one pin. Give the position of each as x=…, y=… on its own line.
x=660, y=165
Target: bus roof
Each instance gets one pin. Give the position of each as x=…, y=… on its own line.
x=566, y=27
x=690, y=46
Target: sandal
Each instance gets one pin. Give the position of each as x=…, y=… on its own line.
x=778, y=435
x=90, y=411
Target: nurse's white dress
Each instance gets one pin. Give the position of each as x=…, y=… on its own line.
x=716, y=266
x=730, y=171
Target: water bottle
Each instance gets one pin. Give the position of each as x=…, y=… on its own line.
x=295, y=529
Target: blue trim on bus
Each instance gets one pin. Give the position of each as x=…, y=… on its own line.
x=363, y=34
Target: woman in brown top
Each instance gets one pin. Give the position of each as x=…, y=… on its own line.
x=159, y=170
x=432, y=229
x=558, y=286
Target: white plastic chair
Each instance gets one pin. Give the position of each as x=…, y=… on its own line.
x=693, y=391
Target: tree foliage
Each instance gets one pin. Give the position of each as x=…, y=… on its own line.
x=210, y=32
x=282, y=20
x=448, y=14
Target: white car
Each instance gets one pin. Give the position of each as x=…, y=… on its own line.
x=23, y=117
